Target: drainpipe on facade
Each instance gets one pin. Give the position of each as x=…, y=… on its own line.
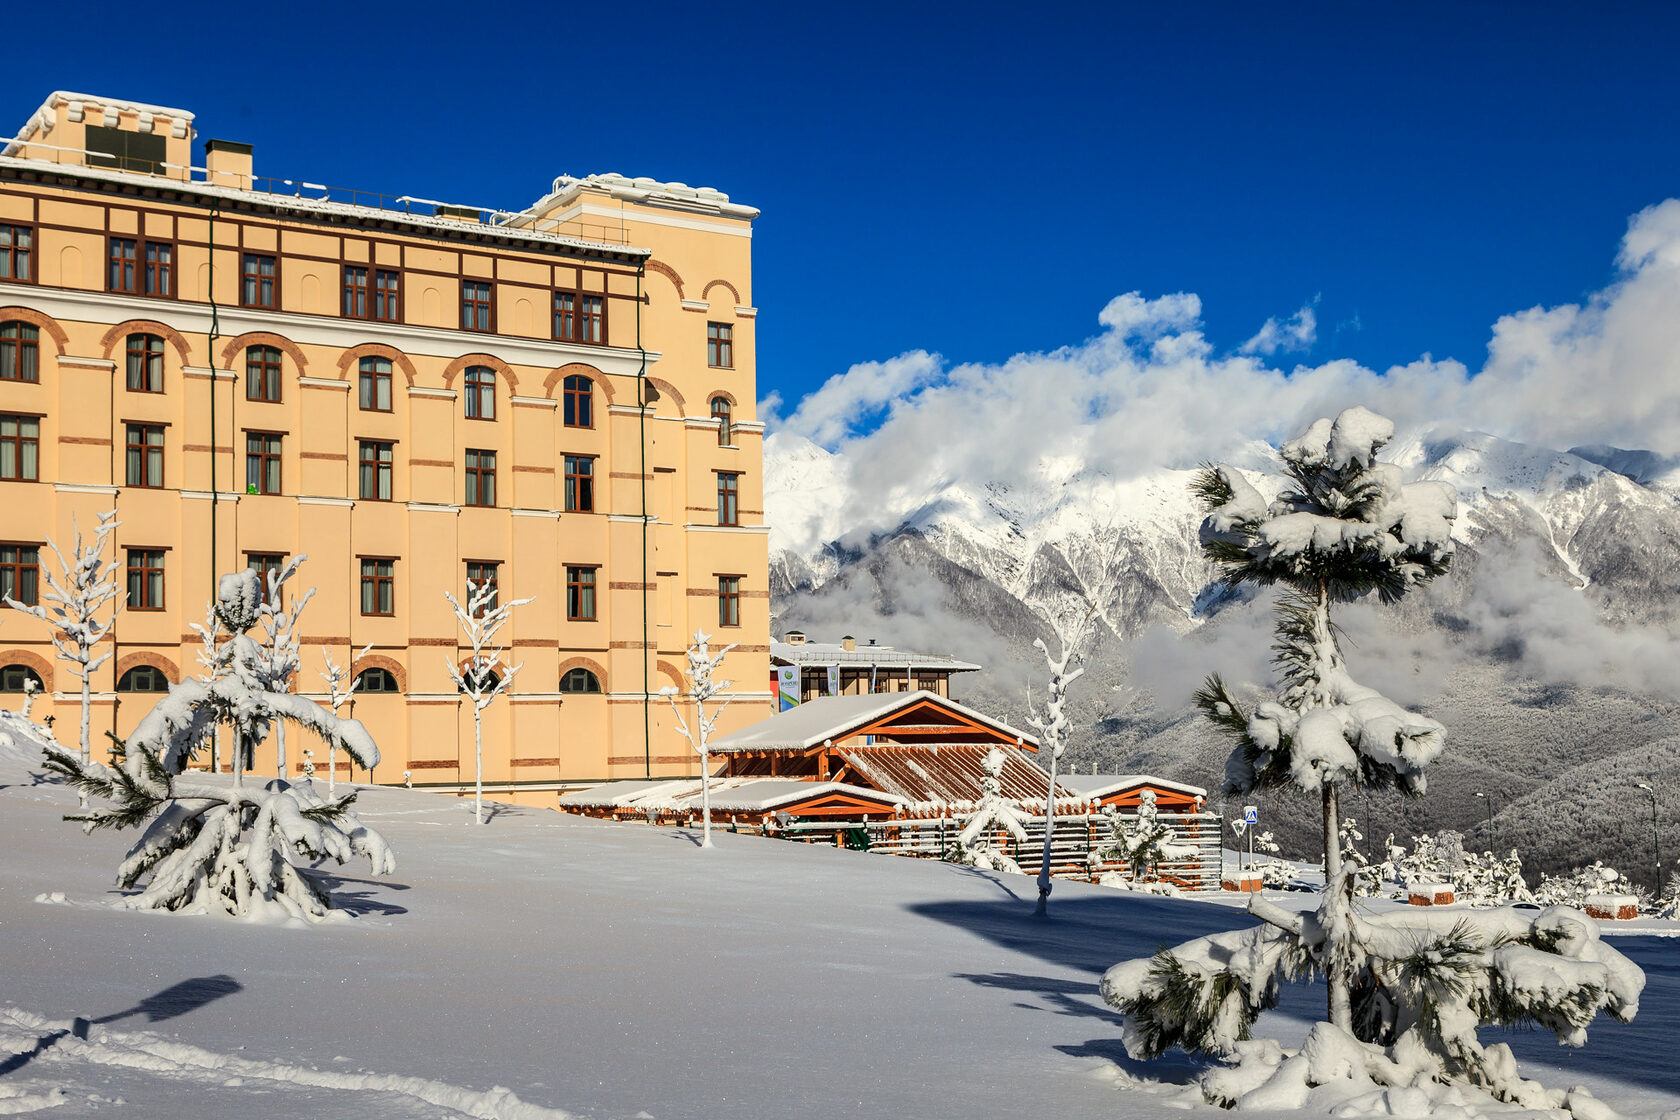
x=641, y=421
x=210, y=344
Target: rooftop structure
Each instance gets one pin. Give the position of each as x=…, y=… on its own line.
x=803, y=670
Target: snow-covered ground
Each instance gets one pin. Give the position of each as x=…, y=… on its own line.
x=547, y=965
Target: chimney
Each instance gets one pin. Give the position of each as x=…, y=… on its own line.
x=228, y=164
x=848, y=643
x=794, y=638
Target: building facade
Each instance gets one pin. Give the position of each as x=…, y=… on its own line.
x=413, y=394
x=802, y=670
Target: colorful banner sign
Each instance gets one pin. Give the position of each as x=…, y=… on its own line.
x=787, y=682
x=834, y=680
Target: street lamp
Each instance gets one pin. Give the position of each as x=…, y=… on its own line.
x=1656, y=837
x=1488, y=801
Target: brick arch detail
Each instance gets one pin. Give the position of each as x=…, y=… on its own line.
x=465, y=360
x=668, y=272
x=380, y=661
x=145, y=326
x=43, y=668
x=264, y=338
x=571, y=663
x=157, y=661
x=355, y=354
x=39, y=320
x=726, y=284
x=725, y=394
x=671, y=671
x=558, y=375
x=665, y=387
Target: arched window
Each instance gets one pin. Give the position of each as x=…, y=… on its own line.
x=491, y=680
x=720, y=413
x=145, y=363
x=375, y=680
x=580, y=681
x=262, y=374
x=16, y=678
x=481, y=393
x=20, y=352
x=578, y=402
x=143, y=678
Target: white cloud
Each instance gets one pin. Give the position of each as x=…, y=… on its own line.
x=1149, y=391
x=1298, y=332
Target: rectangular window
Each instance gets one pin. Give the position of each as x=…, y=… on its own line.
x=379, y=583
x=479, y=387
x=579, y=317
x=475, y=305
x=374, y=471
x=729, y=600
x=145, y=455
x=20, y=572
x=720, y=345
x=481, y=574
x=580, y=484
x=160, y=268
x=378, y=302
x=257, y=287
x=565, y=316
x=385, y=287
x=145, y=579
x=580, y=594
x=20, y=351
x=122, y=277
x=355, y=292
x=265, y=564
x=262, y=374
x=17, y=253
x=481, y=478
x=20, y=448
x=373, y=384
x=729, y=498
x=262, y=463
x=145, y=363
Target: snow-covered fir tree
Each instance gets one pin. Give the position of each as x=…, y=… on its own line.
x=1409, y=990
x=483, y=676
x=703, y=687
x=1142, y=842
x=216, y=847
x=1052, y=727
x=976, y=845
x=75, y=597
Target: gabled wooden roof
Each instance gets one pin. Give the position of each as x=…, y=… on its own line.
x=949, y=773
x=904, y=717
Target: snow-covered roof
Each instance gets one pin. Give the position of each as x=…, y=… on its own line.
x=835, y=717
x=652, y=192
x=884, y=657
x=1098, y=786
x=330, y=208
x=729, y=795
x=43, y=118
x=950, y=774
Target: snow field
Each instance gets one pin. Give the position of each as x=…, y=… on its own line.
x=608, y=970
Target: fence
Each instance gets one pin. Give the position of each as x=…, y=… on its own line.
x=1077, y=835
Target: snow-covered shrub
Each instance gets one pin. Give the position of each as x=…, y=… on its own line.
x=1142, y=843
x=976, y=845
x=1572, y=889
x=226, y=848
x=1408, y=991
x=1275, y=873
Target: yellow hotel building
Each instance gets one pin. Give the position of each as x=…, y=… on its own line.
x=412, y=394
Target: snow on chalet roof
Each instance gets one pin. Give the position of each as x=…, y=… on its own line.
x=885, y=657
x=729, y=795
x=1097, y=786
x=835, y=717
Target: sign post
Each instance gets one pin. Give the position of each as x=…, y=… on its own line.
x=1251, y=818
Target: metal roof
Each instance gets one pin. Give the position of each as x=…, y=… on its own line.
x=949, y=773
x=1098, y=786
x=817, y=654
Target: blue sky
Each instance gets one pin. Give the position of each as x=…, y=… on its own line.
x=980, y=180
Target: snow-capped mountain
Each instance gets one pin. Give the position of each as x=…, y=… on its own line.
x=1564, y=602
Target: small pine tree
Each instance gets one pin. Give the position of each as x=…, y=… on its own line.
x=1142, y=842
x=213, y=848
x=976, y=844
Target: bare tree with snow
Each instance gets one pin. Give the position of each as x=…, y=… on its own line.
x=281, y=654
x=85, y=583
x=1409, y=990
x=337, y=696
x=214, y=848
x=1052, y=727
x=703, y=686
x=485, y=675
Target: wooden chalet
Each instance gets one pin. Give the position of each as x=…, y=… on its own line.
x=1124, y=791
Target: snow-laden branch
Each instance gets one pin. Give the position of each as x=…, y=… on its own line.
x=337, y=696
